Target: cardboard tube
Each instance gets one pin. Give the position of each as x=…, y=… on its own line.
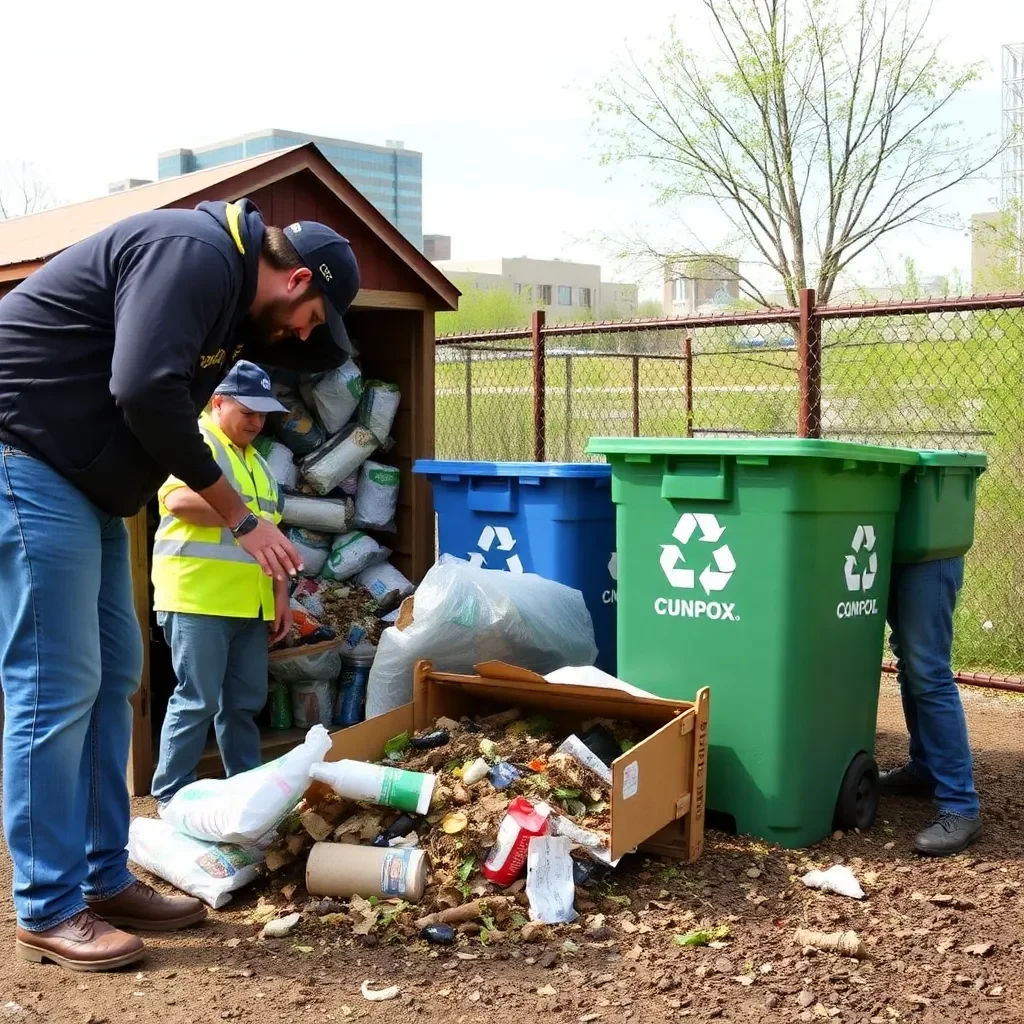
x=341, y=869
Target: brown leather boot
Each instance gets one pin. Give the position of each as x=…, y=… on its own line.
x=141, y=906
x=82, y=943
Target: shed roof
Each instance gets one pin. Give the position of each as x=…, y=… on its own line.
x=27, y=241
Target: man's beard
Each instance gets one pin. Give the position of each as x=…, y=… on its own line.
x=268, y=325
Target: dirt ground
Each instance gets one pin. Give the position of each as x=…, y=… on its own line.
x=945, y=938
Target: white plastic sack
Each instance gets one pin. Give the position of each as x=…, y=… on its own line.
x=351, y=553
x=312, y=546
x=282, y=466
x=377, y=496
x=244, y=808
x=463, y=616
x=387, y=585
x=313, y=702
x=378, y=408
x=549, y=882
x=838, y=879
x=334, y=395
x=350, y=485
x=296, y=428
x=326, y=515
x=209, y=871
x=339, y=458
x=314, y=666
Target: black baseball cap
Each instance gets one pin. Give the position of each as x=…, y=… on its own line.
x=248, y=385
x=330, y=260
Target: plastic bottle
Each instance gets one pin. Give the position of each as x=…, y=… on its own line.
x=377, y=784
x=343, y=869
x=522, y=822
x=279, y=706
x=350, y=706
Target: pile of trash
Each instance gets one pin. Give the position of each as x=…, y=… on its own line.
x=334, y=492
x=467, y=826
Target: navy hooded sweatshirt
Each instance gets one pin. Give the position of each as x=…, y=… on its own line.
x=112, y=349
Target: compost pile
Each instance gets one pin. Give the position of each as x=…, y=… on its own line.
x=340, y=502
x=520, y=758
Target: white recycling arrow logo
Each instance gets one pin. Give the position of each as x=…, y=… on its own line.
x=857, y=579
x=717, y=573
x=613, y=566
x=505, y=542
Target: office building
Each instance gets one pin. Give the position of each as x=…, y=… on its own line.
x=700, y=283
x=390, y=176
x=558, y=286
x=437, y=247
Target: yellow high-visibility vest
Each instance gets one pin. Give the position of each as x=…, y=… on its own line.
x=202, y=569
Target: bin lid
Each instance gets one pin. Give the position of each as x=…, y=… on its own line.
x=574, y=470
x=787, y=447
x=935, y=457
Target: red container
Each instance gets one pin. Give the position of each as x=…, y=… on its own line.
x=522, y=822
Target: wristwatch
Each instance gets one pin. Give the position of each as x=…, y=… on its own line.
x=247, y=525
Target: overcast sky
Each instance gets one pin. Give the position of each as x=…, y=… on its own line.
x=496, y=97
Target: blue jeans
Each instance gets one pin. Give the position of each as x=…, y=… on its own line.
x=221, y=666
x=922, y=598
x=70, y=660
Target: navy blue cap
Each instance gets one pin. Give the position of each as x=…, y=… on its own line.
x=248, y=385
x=330, y=260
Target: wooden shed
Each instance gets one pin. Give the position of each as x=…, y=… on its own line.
x=391, y=323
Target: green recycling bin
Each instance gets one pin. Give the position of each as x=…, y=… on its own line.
x=936, y=516
x=761, y=568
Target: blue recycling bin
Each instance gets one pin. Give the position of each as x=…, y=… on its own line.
x=555, y=519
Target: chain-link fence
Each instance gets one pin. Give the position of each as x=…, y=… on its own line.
x=943, y=374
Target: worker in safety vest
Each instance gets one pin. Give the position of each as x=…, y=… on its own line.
x=109, y=352
x=219, y=611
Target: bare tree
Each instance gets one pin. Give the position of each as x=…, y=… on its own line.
x=23, y=191
x=818, y=128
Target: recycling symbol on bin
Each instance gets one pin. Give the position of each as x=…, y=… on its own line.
x=857, y=578
x=717, y=573
x=613, y=566
x=501, y=539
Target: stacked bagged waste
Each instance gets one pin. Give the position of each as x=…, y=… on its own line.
x=327, y=453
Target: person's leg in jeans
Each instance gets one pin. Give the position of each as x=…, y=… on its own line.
x=104, y=764
x=199, y=652
x=51, y=658
x=922, y=600
x=243, y=697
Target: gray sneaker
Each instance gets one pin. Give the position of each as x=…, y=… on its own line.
x=904, y=781
x=948, y=833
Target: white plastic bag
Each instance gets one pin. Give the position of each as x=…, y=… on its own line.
x=838, y=879
x=351, y=553
x=282, y=466
x=549, y=882
x=209, y=871
x=339, y=458
x=244, y=808
x=388, y=586
x=312, y=546
x=463, y=616
x=296, y=428
x=378, y=408
x=304, y=667
x=313, y=702
x=334, y=395
x=377, y=496
x=326, y=515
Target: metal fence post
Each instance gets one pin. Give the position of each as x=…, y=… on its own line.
x=568, y=408
x=688, y=366
x=536, y=336
x=809, y=367
x=636, y=396
x=469, y=402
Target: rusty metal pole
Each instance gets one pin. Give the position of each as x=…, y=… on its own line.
x=809, y=367
x=636, y=396
x=688, y=368
x=469, y=402
x=537, y=337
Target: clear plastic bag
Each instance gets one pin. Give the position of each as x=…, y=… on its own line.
x=334, y=396
x=329, y=465
x=325, y=515
x=209, y=871
x=313, y=702
x=305, y=667
x=377, y=496
x=350, y=554
x=463, y=616
x=378, y=408
x=244, y=808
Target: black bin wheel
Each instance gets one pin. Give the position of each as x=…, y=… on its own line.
x=857, y=805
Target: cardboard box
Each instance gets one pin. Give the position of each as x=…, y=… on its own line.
x=658, y=787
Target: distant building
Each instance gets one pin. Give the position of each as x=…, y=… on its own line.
x=437, y=247
x=390, y=176
x=990, y=266
x=700, y=282
x=127, y=183
x=558, y=286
